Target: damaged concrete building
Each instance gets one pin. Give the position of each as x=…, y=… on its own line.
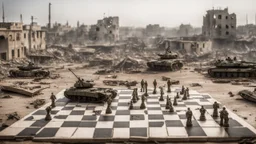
x=11, y=41
x=106, y=30
x=153, y=30
x=219, y=24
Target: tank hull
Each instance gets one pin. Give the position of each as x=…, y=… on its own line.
x=248, y=95
x=33, y=73
x=231, y=72
x=165, y=65
x=95, y=95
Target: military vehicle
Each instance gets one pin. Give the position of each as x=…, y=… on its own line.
x=232, y=69
x=167, y=62
x=84, y=91
x=248, y=95
x=29, y=71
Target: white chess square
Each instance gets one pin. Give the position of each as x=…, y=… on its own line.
x=74, y=118
x=158, y=132
x=121, y=133
x=122, y=107
x=208, y=123
x=11, y=131
x=137, y=111
x=54, y=124
x=177, y=132
x=122, y=118
x=79, y=108
x=23, y=124
x=64, y=112
x=105, y=124
x=84, y=133
x=65, y=132
x=215, y=132
x=138, y=123
x=171, y=117
x=58, y=108
x=155, y=112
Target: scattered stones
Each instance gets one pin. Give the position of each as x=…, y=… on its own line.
x=37, y=103
x=12, y=116
x=6, y=97
x=231, y=94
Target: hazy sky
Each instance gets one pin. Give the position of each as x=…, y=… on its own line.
x=170, y=13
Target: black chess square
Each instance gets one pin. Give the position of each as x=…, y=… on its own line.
x=155, y=117
x=60, y=103
x=68, y=108
x=137, y=117
x=90, y=107
x=40, y=112
x=64, y=99
x=89, y=117
x=156, y=124
x=77, y=112
x=54, y=112
x=239, y=132
x=195, y=131
x=103, y=133
x=173, y=123
x=87, y=124
x=39, y=123
x=123, y=112
x=231, y=122
x=27, y=132
x=61, y=116
x=47, y=132
x=29, y=118
x=113, y=107
x=169, y=113
x=70, y=124
x=106, y=118
x=191, y=103
x=142, y=132
x=125, y=97
x=154, y=108
x=123, y=104
x=153, y=103
x=121, y=124
x=208, y=106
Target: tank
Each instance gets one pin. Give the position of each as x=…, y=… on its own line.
x=231, y=68
x=248, y=95
x=84, y=91
x=167, y=62
x=29, y=71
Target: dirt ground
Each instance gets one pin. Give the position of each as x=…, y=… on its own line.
x=219, y=91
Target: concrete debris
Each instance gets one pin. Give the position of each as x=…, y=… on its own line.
x=128, y=64
x=120, y=83
x=111, y=76
x=195, y=85
x=104, y=71
x=37, y=103
x=231, y=94
x=221, y=81
x=164, y=78
x=12, y=116
x=6, y=97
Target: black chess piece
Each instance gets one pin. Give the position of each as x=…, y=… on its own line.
x=161, y=94
x=108, y=110
x=182, y=90
x=184, y=96
x=48, y=115
x=53, y=98
x=146, y=88
x=171, y=109
x=131, y=105
x=215, y=110
x=202, y=116
x=175, y=101
x=136, y=94
x=189, y=115
x=178, y=95
x=134, y=98
x=155, y=84
x=168, y=85
x=142, y=85
x=187, y=91
x=224, y=118
x=143, y=106
x=167, y=105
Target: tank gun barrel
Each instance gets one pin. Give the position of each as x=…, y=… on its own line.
x=248, y=62
x=74, y=74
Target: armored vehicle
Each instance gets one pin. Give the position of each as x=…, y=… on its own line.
x=84, y=91
x=248, y=95
x=167, y=62
x=230, y=68
x=29, y=71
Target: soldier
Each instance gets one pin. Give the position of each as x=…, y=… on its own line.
x=53, y=98
x=215, y=109
x=224, y=117
x=142, y=85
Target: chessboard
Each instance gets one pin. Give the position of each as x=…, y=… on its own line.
x=88, y=122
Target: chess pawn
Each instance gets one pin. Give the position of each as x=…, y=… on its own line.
x=155, y=84
x=108, y=110
x=215, y=110
x=171, y=109
x=142, y=106
x=142, y=85
x=178, y=95
x=136, y=94
x=146, y=88
x=134, y=99
x=169, y=85
x=167, y=105
x=161, y=94
x=182, y=90
x=175, y=101
x=131, y=105
x=48, y=111
x=185, y=96
x=187, y=91
x=202, y=116
x=189, y=115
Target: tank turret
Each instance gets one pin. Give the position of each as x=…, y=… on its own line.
x=168, y=55
x=80, y=83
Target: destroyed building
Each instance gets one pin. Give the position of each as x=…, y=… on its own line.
x=185, y=30
x=106, y=30
x=219, y=24
x=11, y=41
x=153, y=30
x=246, y=30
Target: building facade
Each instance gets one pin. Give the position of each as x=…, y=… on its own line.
x=106, y=30
x=153, y=30
x=219, y=24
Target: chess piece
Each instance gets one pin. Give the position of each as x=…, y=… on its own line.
x=215, y=110
x=108, y=110
x=175, y=101
x=155, y=84
x=187, y=90
x=224, y=117
x=134, y=98
x=178, y=95
x=48, y=111
x=146, y=88
x=182, y=90
x=169, y=85
x=53, y=98
x=131, y=105
x=202, y=116
x=136, y=94
x=161, y=94
x=184, y=96
x=171, y=109
x=142, y=85
x=142, y=106
x=167, y=105
x=189, y=115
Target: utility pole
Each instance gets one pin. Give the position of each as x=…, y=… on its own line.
x=3, y=11
x=21, y=18
x=49, y=25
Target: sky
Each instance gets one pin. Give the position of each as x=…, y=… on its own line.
x=137, y=13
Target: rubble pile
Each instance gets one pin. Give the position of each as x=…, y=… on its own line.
x=37, y=103
x=129, y=64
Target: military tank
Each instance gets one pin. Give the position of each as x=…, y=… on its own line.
x=232, y=68
x=248, y=95
x=29, y=71
x=84, y=91
x=167, y=62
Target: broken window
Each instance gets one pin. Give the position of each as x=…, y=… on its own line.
x=227, y=33
x=18, y=52
x=24, y=35
x=37, y=34
x=219, y=16
x=97, y=29
x=13, y=54
x=227, y=26
x=226, y=17
x=110, y=32
x=203, y=45
x=17, y=37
